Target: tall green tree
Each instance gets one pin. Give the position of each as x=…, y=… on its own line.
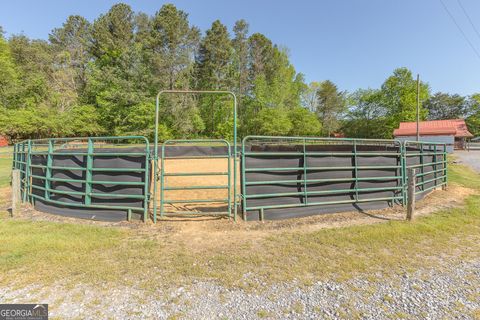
x=331, y=106
x=71, y=44
x=399, y=93
x=214, y=72
x=442, y=106
x=8, y=74
x=309, y=96
x=240, y=59
x=473, y=118
x=117, y=79
x=34, y=60
x=367, y=115
x=173, y=43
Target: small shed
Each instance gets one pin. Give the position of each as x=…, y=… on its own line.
x=453, y=132
x=3, y=141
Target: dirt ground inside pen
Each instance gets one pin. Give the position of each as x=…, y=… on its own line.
x=197, y=165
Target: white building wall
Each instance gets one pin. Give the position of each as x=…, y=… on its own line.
x=449, y=140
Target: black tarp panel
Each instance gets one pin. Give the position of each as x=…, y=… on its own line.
x=80, y=161
x=324, y=161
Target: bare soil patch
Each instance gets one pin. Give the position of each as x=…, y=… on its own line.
x=206, y=232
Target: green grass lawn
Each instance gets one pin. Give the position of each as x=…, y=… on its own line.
x=5, y=170
x=43, y=252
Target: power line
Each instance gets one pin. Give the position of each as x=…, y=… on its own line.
x=459, y=28
x=469, y=19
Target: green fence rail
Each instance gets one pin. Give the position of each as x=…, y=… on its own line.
x=356, y=149
x=88, y=149
x=227, y=186
x=430, y=160
x=21, y=161
x=431, y=166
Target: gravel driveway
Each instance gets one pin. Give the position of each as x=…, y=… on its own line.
x=450, y=293
x=469, y=158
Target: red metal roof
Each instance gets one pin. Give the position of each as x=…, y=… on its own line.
x=3, y=141
x=456, y=127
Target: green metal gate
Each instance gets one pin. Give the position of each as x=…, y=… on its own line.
x=167, y=174
x=160, y=167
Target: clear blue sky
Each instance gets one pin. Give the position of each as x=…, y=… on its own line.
x=355, y=43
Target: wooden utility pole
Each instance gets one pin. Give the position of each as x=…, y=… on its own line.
x=418, y=107
x=412, y=175
x=16, y=193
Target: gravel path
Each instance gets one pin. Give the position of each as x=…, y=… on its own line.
x=424, y=294
x=471, y=158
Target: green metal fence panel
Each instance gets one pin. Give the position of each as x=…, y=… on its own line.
x=432, y=164
x=21, y=161
x=303, y=144
x=55, y=147
x=227, y=185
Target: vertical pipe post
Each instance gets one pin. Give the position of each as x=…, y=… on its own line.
x=418, y=107
x=422, y=167
x=262, y=214
x=403, y=168
x=89, y=173
x=234, y=155
x=305, y=191
x=445, y=169
x=355, y=168
x=14, y=160
x=411, y=193
x=244, y=180
x=28, y=162
x=147, y=176
x=16, y=191
x=162, y=181
x=155, y=159
x=48, y=169
x=435, y=164
x=22, y=169
x=229, y=180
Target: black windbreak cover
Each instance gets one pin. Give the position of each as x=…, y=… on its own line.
x=390, y=157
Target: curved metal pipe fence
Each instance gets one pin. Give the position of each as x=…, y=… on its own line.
x=291, y=173
x=100, y=172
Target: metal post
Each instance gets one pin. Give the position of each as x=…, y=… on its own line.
x=411, y=193
x=146, y=187
x=89, y=173
x=403, y=168
x=229, y=181
x=244, y=190
x=418, y=107
x=16, y=193
x=435, y=168
x=355, y=170
x=162, y=182
x=27, y=183
x=305, y=191
x=445, y=169
x=48, y=169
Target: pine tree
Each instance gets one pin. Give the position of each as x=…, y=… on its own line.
x=331, y=106
x=214, y=72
